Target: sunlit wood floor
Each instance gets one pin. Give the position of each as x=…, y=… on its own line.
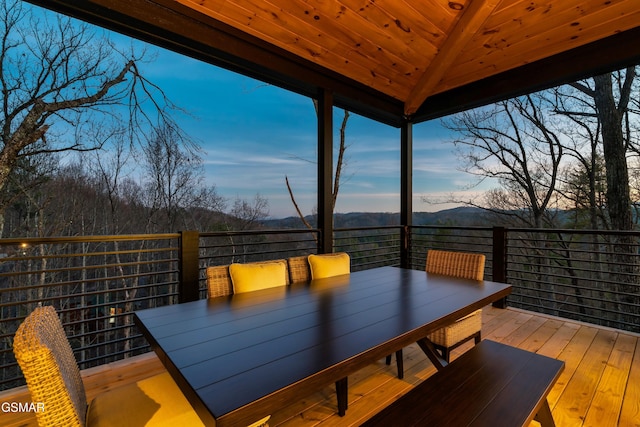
x=599, y=387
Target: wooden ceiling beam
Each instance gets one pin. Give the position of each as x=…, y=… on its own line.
x=612, y=53
x=470, y=22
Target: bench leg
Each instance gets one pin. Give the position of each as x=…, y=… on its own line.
x=544, y=416
x=342, y=390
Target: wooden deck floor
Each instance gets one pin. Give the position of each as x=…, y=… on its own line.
x=600, y=385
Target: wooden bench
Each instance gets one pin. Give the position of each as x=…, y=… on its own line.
x=490, y=385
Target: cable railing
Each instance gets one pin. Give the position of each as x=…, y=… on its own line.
x=369, y=247
x=590, y=276
x=97, y=282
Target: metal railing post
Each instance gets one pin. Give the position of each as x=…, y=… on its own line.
x=325, y=170
x=406, y=192
x=500, y=260
x=189, y=271
x=405, y=247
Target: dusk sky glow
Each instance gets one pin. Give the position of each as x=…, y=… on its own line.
x=253, y=135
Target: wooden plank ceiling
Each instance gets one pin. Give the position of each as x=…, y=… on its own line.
x=413, y=49
x=387, y=58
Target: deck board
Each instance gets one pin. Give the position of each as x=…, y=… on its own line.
x=607, y=401
x=600, y=385
x=631, y=401
x=572, y=406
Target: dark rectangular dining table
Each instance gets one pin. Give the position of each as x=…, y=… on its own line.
x=242, y=357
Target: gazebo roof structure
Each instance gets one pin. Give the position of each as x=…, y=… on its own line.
x=390, y=60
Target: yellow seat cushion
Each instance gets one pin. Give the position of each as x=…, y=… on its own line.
x=261, y=423
x=256, y=276
x=329, y=265
x=155, y=401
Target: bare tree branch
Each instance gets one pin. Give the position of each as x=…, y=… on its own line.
x=295, y=205
x=58, y=79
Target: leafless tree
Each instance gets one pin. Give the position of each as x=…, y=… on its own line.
x=174, y=184
x=512, y=142
x=58, y=81
x=583, y=184
x=601, y=106
x=340, y=165
x=609, y=112
x=570, y=144
x=247, y=215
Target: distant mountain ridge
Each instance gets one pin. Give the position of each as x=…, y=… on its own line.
x=463, y=216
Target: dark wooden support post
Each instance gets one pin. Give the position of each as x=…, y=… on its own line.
x=500, y=260
x=189, y=272
x=325, y=171
x=406, y=192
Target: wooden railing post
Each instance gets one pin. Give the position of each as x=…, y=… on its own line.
x=500, y=260
x=189, y=270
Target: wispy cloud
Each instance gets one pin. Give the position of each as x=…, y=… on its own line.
x=253, y=135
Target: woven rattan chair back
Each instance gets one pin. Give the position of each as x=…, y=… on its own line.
x=456, y=264
x=218, y=281
x=463, y=265
x=299, y=270
x=50, y=369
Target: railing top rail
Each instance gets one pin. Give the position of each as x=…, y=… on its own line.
x=453, y=227
x=571, y=231
x=531, y=230
x=373, y=227
x=85, y=239
x=254, y=232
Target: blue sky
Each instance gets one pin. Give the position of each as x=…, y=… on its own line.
x=253, y=135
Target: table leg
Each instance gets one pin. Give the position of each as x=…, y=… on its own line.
x=342, y=395
x=544, y=416
x=430, y=350
x=400, y=364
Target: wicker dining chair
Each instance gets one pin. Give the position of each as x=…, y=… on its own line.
x=299, y=270
x=254, y=276
x=53, y=379
x=219, y=281
x=467, y=266
x=329, y=265
x=455, y=264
